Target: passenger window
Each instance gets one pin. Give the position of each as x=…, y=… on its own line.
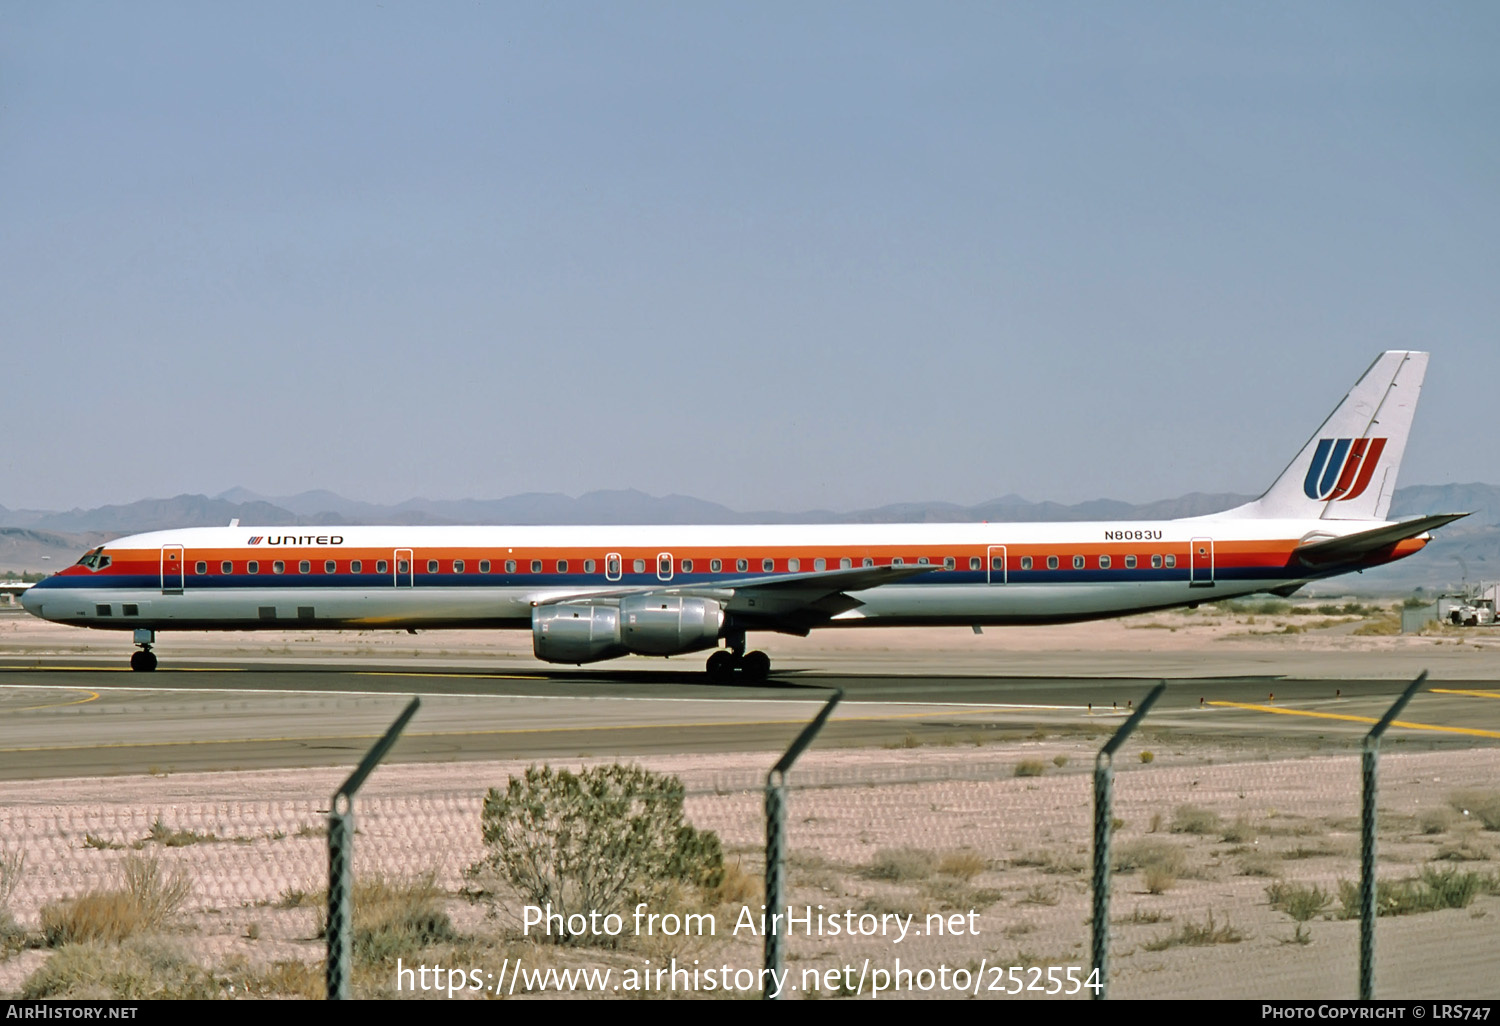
x=510, y=566
x=715, y=565
x=252, y=567
x=949, y=563
x=200, y=567
x=664, y=565
x=278, y=567
x=867, y=561
x=1103, y=562
x=794, y=564
x=742, y=565
x=381, y=566
x=1156, y=562
x=612, y=567
x=687, y=566
x=562, y=566
x=820, y=564
x=768, y=565
x=484, y=566
x=432, y=566
x=1171, y=560
x=1025, y=562
x=588, y=566
x=1051, y=562
x=355, y=566
x=403, y=567
x=898, y=561
x=226, y=567
x=330, y=567
x=974, y=563
x=640, y=566
x=1129, y=562
x=1078, y=562
x=923, y=561
x=998, y=563
x=458, y=566
x=845, y=563
x=536, y=566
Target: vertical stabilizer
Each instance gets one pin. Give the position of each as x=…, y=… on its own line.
x=1347, y=470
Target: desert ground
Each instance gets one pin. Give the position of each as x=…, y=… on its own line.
x=1231, y=857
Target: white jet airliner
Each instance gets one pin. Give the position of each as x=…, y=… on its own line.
x=591, y=593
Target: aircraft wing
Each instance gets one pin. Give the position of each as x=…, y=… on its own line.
x=1350, y=547
x=785, y=602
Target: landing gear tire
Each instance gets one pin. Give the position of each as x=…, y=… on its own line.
x=724, y=667
x=721, y=666
x=144, y=661
x=755, y=667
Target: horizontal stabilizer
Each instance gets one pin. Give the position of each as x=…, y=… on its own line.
x=1355, y=546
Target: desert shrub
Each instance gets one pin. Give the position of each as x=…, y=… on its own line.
x=138, y=969
x=1197, y=934
x=149, y=897
x=1241, y=831
x=1435, y=821
x=393, y=918
x=1030, y=768
x=1149, y=854
x=12, y=865
x=965, y=865
x=1383, y=626
x=1300, y=901
x=595, y=841
x=1192, y=819
x=1059, y=761
x=901, y=864
x=1433, y=890
x=1485, y=805
x=1147, y=756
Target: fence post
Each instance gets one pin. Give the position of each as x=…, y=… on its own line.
x=1369, y=759
x=341, y=858
x=776, y=841
x=1104, y=776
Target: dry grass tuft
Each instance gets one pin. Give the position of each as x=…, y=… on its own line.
x=899, y=865
x=395, y=918
x=149, y=897
x=1485, y=805
x=965, y=865
x=1193, y=819
x=1191, y=934
x=140, y=968
x=1030, y=768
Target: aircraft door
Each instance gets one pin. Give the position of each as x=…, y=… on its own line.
x=1201, y=562
x=612, y=566
x=403, y=567
x=172, y=560
x=995, y=564
x=664, y=565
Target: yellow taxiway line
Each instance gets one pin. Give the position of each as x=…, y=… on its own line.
x=1471, y=731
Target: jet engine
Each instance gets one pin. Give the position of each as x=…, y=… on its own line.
x=660, y=625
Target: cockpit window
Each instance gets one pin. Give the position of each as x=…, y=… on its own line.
x=95, y=559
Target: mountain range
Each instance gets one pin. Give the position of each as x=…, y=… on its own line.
x=45, y=539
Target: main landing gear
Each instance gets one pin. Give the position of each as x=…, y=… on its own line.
x=728, y=665
x=145, y=659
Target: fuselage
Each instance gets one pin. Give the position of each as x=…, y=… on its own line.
x=449, y=577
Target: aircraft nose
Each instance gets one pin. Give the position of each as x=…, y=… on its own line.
x=31, y=600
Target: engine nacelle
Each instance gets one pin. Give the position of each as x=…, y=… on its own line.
x=668, y=624
x=659, y=625
x=576, y=632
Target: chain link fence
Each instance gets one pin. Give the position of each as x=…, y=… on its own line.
x=958, y=866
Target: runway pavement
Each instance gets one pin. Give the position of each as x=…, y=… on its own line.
x=76, y=717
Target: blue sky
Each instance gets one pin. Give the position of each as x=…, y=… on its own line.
x=772, y=255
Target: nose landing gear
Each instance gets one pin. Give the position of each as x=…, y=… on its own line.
x=145, y=659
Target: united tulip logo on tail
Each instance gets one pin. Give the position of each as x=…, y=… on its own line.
x=1342, y=468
